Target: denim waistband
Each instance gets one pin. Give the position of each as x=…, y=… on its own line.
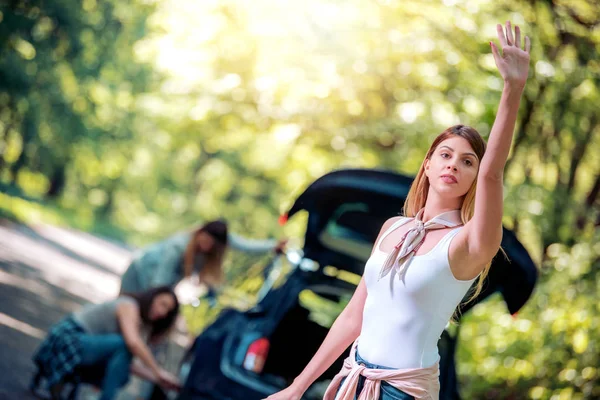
x=367, y=364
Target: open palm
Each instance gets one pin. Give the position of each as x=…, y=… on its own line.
x=513, y=63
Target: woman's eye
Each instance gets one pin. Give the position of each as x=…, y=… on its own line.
x=445, y=155
x=468, y=162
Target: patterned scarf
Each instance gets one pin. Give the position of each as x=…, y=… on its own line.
x=407, y=247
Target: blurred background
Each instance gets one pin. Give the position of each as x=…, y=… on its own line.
x=122, y=123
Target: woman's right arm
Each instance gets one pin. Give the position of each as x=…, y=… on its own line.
x=342, y=334
x=128, y=315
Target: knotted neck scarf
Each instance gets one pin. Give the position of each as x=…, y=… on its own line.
x=407, y=247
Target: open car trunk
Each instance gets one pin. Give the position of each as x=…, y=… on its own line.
x=299, y=334
x=346, y=209
x=297, y=338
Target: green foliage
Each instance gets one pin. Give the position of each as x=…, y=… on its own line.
x=549, y=350
x=145, y=118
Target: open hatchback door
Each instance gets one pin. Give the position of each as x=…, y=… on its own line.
x=346, y=209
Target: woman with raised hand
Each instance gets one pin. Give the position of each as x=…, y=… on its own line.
x=423, y=263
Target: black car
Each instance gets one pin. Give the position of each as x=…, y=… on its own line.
x=251, y=354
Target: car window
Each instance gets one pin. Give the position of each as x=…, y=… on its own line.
x=352, y=229
x=324, y=308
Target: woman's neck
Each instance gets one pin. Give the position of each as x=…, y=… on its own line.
x=436, y=205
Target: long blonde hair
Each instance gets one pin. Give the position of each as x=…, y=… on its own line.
x=417, y=196
x=211, y=272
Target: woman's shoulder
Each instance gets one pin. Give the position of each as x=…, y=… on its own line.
x=394, y=221
x=126, y=306
x=127, y=300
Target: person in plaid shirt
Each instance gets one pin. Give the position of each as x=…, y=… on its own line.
x=104, y=338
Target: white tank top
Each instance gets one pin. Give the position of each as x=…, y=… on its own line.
x=403, y=319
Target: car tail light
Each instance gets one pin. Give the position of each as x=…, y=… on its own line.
x=283, y=219
x=257, y=355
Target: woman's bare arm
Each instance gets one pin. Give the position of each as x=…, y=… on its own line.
x=128, y=315
x=342, y=333
x=478, y=242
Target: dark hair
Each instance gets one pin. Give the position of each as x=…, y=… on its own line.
x=217, y=229
x=145, y=299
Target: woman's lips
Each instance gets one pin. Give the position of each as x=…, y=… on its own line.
x=449, y=179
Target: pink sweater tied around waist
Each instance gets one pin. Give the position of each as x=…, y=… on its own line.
x=421, y=383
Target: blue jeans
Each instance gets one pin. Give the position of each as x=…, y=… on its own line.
x=109, y=353
x=387, y=391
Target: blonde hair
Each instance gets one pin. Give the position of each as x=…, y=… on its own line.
x=417, y=196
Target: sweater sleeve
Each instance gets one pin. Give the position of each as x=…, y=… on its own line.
x=253, y=246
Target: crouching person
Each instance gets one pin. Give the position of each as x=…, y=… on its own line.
x=104, y=338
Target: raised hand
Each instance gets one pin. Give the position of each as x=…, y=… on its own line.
x=513, y=63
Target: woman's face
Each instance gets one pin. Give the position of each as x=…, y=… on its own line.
x=162, y=305
x=453, y=167
x=205, y=242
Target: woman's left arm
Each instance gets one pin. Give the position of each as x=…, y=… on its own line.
x=253, y=246
x=483, y=233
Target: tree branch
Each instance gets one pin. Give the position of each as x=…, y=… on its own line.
x=579, y=152
x=590, y=200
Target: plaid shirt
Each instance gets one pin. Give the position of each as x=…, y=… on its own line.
x=60, y=353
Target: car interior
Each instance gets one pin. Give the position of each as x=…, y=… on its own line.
x=303, y=329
